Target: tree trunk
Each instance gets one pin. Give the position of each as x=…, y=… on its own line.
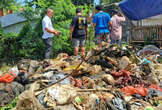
x=1, y=12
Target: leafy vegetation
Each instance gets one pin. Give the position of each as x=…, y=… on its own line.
x=82, y=2
x=11, y=105
x=28, y=43
x=9, y=5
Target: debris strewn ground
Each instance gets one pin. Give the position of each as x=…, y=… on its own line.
x=121, y=79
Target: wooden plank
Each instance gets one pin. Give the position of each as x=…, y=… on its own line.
x=146, y=27
x=139, y=33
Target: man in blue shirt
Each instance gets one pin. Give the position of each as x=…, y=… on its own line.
x=101, y=22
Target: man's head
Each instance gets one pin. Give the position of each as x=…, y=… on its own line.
x=114, y=12
x=99, y=8
x=78, y=11
x=49, y=12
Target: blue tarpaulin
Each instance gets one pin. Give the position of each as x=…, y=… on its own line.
x=141, y=9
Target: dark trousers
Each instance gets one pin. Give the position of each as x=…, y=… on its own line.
x=48, y=42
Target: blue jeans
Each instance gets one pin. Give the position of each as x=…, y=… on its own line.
x=48, y=42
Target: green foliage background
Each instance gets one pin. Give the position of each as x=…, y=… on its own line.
x=28, y=43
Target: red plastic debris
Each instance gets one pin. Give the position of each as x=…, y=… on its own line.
x=121, y=73
x=8, y=77
x=130, y=90
x=76, y=82
x=153, y=86
x=123, y=76
x=101, y=97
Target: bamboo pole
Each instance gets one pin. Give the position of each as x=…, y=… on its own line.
x=94, y=90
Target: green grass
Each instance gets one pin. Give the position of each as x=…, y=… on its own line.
x=90, y=45
x=159, y=60
x=4, y=68
x=11, y=105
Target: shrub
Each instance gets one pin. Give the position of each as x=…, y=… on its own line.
x=28, y=43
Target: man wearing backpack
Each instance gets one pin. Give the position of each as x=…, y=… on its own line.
x=101, y=22
x=79, y=32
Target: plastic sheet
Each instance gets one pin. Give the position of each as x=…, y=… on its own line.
x=141, y=9
x=130, y=90
x=119, y=104
x=153, y=86
x=10, y=76
x=149, y=50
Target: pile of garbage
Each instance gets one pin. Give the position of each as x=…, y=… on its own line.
x=122, y=79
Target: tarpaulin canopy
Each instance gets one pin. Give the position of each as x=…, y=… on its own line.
x=141, y=9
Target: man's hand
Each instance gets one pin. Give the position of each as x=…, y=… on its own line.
x=71, y=37
x=71, y=32
x=57, y=33
x=109, y=41
x=87, y=36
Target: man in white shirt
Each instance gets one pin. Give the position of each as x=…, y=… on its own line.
x=48, y=32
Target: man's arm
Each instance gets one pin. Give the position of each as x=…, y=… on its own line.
x=109, y=26
x=86, y=29
x=122, y=18
x=71, y=31
x=109, y=23
x=73, y=23
x=94, y=21
x=54, y=31
x=91, y=17
x=121, y=14
x=86, y=32
x=45, y=25
x=94, y=24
